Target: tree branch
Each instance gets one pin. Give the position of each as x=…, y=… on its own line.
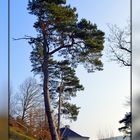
x=26, y=37
x=119, y=58
x=123, y=48
x=59, y=48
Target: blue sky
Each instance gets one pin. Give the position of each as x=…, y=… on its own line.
x=105, y=92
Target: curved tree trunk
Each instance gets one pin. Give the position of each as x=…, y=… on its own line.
x=48, y=110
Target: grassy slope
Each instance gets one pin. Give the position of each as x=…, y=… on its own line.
x=14, y=135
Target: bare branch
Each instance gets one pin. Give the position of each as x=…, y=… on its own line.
x=25, y=38
x=119, y=44
x=118, y=57
x=123, y=48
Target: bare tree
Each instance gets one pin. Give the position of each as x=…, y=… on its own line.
x=100, y=135
x=119, y=45
x=12, y=104
x=106, y=135
x=28, y=97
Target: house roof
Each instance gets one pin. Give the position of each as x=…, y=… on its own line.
x=67, y=132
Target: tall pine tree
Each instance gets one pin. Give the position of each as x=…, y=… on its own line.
x=60, y=33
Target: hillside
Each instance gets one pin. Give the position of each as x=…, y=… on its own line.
x=14, y=135
x=21, y=131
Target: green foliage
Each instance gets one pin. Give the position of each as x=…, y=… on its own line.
x=78, y=42
x=62, y=72
x=127, y=121
x=70, y=111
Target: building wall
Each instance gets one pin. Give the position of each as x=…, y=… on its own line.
x=116, y=138
x=82, y=138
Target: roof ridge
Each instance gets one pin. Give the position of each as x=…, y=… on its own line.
x=63, y=132
x=67, y=131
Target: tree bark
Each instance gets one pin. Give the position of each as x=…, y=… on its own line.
x=59, y=110
x=53, y=131
x=23, y=115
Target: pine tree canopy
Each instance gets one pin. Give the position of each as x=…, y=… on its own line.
x=78, y=42
x=127, y=121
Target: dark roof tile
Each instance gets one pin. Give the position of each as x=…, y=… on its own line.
x=66, y=132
